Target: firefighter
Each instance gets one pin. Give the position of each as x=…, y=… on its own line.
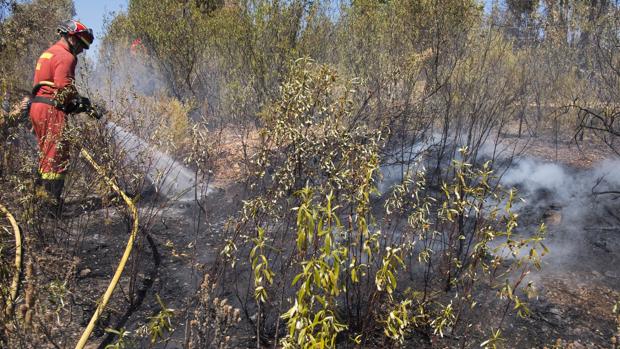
x=54, y=96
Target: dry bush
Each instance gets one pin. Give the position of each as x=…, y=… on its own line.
x=214, y=321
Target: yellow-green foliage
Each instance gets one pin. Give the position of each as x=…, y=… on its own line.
x=323, y=252
x=312, y=321
x=161, y=322
x=122, y=341
x=308, y=141
x=174, y=126
x=162, y=121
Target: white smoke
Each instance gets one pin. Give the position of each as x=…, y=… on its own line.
x=402, y=162
x=583, y=201
x=532, y=175
x=578, y=205
x=574, y=191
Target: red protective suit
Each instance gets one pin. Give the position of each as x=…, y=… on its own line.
x=57, y=66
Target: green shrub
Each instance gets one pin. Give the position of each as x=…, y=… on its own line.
x=319, y=256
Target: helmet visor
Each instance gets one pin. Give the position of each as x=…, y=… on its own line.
x=86, y=37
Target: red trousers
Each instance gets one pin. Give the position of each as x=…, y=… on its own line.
x=48, y=124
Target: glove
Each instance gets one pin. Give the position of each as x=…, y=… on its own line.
x=83, y=105
x=78, y=105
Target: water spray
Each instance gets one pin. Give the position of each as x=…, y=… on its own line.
x=172, y=178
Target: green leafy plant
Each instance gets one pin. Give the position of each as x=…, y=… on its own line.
x=458, y=237
x=161, y=323
x=122, y=339
x=312, y=320
x=57, y=294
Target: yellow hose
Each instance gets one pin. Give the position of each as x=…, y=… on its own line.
x=18, y=259
x=123, y=261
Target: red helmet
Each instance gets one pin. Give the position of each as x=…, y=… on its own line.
x=73, y=27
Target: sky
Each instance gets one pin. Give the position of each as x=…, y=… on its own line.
x=93, y=12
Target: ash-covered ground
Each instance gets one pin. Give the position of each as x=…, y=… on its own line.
x=576, y=288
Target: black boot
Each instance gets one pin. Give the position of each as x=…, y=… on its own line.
x=54, y=189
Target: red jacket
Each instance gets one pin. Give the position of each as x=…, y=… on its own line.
x=56, y=65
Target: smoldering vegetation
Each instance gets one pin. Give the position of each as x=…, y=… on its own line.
x=579, y=207
x=364, y=174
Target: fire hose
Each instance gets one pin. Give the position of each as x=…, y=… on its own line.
x=121, y=265
x=18, y=259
